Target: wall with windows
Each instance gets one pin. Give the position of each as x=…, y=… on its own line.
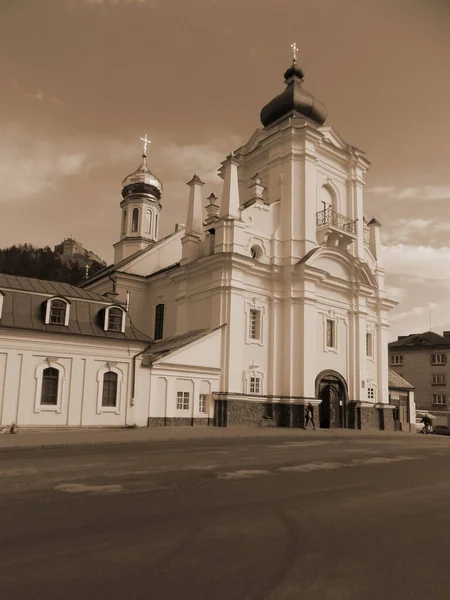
x=48, y=381
x=428, y=371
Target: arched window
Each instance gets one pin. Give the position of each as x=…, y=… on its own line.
x=58, y=312
x=148, y=222
x=156, y=225
x=135, y=220
x=124, y=221
x=109, y=395
x=114, y=319
x=159, y=321
x=49, y=390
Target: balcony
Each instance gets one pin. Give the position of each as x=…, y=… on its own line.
x=334, y=229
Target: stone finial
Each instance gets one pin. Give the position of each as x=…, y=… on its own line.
x=212, y=208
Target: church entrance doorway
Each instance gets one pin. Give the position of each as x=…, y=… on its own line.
x=331, y=389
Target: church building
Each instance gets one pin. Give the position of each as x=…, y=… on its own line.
x=269, y=298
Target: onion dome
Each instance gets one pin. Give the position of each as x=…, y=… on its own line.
x=142, y=181
x=294, y=99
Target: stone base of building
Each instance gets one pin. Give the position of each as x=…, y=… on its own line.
x=178, y=422
x=364, y=415
x=232, y=411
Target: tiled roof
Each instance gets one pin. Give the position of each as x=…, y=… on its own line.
x=168, y=345
x=397, y=382
x=50, y=288
x=24, y=305
x=428, y=338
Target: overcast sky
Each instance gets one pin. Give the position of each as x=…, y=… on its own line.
x=82, y=80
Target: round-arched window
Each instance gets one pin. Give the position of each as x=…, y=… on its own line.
x=255, y=252
x=135, y=219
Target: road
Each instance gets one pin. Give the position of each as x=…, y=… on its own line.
x=311, y=517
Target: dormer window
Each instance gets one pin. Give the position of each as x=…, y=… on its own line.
x=115, y=319
x=57, y=312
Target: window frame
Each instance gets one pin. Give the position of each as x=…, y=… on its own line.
x=255, y=324
x=148, y=221
x=181, y=400
x=110, y=367
x=124, y=221
x=255, y=383
x=203, y=401
x=435, y=402
x=135, y=223
x=334, y=337
x=371, y=393
x=116, y=382
x=106, y=323
x=159, y=323
x=39, y=376
x=258, y=307
x=436, y=376
x=437, y=363
x=396, y=363
x=48, y=310
x=370, y=346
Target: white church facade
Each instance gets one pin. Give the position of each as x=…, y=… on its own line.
x=269, y=298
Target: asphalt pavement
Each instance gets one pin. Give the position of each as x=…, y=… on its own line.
x=326, y=517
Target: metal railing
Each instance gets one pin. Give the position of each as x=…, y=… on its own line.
x=330, y=217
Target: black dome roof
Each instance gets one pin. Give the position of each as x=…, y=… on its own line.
x=294, y=98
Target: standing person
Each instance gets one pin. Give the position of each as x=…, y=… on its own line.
x=309, y=415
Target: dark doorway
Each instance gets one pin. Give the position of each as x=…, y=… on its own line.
x=331, y=389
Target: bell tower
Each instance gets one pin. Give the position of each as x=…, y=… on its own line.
x=141, y=207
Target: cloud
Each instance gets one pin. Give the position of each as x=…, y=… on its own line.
x=30, y=166
x=420, y=262
x=419, y=230
x=426, y=192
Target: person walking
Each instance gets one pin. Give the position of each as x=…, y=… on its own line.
x=309, y=415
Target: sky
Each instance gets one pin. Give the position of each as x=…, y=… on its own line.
x=82, y=80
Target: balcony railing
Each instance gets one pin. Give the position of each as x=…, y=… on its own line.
x=330, y=217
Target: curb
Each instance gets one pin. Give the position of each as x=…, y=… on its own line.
x=92, y=444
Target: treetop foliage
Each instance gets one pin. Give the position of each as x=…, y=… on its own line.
x=25, y=260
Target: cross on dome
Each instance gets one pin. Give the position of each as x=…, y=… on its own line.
x=146, y=143
x=294, y=51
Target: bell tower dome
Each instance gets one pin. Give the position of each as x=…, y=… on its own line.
x=141, y=207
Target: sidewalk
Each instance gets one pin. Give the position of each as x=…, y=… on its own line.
x=61, y=438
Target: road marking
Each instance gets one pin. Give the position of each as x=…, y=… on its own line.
x=77, y=488
x=242, y=474
x=300, y=444
x=317, y=466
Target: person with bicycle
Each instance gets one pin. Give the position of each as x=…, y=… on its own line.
x=427, y=427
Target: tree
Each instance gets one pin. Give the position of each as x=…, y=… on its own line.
x=25, y=260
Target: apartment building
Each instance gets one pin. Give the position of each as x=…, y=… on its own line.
x=423, y=359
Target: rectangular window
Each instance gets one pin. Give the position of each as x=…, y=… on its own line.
x=183, y=400
x=255, y=385
x=331, y=333
x=109, y=395
x=369, y=344
x=396, y=359
x=202, y=403
x=439, y=399
x=438, y=379
x=49, y=391
x=371, y=393
x=438, y=359
x=159, y=321
x=255, y=324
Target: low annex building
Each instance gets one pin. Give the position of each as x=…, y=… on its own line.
x=71, y=357
x=269, y=298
